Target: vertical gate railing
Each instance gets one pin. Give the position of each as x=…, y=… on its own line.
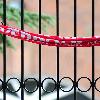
x=75, y=49
x=40, y=11
x=93, y=13
x=22, y=51
x=39, y=84
x=57, y=30
x=4, y=52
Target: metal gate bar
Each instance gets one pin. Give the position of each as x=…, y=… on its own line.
x=40, y=50
x=22, y=51
x=93, y=50
x=75, y=49
x=57, y=31
x=4, y=52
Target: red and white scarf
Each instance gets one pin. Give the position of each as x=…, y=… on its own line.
x=50, y=40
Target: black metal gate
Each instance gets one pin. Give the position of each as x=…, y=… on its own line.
x=57, y=82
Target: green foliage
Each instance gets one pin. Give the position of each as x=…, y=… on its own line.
x=30, y=19
x=8, y=43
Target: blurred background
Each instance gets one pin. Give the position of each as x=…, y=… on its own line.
x=84, y=55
